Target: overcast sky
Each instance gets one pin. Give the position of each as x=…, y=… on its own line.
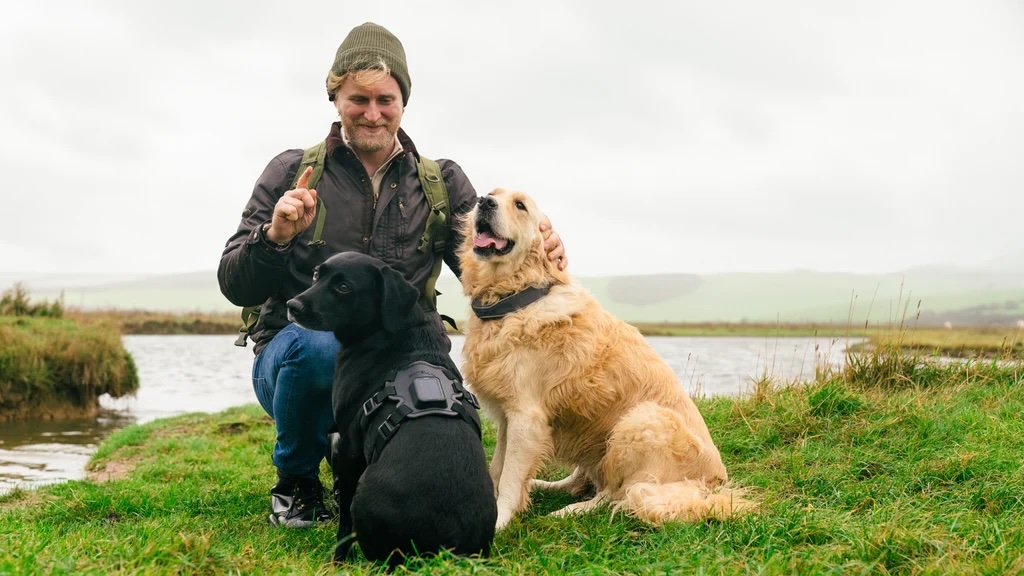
x=677, y=136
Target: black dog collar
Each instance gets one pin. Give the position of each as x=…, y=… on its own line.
x=509, y=304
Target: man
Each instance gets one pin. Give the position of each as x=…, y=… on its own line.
x=376, y=203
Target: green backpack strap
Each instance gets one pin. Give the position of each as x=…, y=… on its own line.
x=313, y=156
x=249, y=316
x=438, y=228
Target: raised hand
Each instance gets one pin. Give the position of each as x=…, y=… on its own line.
x=294, y=212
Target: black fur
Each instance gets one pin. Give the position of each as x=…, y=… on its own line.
x=430, y=488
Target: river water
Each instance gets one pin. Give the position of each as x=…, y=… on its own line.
x=180, y=374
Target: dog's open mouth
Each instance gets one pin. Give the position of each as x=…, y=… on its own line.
x=487, y=243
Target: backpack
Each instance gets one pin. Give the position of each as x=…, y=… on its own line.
x=435, y=233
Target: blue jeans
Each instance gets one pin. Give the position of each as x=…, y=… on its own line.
x=292, y=378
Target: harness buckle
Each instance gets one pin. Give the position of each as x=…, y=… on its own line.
x=371, y=406
x=390, y=424
x=471, y=399
x=387, y=429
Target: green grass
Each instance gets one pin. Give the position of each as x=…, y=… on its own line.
x=891, y=466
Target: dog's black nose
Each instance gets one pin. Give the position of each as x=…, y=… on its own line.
x=487, y=203
x=295, y=307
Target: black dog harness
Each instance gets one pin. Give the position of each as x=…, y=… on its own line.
x=418, y=390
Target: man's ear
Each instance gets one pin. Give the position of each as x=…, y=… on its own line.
x=398, y=297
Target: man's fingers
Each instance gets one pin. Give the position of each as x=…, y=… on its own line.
x=291, y=208
x=552, y=241
x=304, y=179
x=287, y=212
x=301, y=196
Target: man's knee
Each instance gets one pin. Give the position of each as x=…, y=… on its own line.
x=312, y=354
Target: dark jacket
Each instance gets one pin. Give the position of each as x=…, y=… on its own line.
x=254, y=271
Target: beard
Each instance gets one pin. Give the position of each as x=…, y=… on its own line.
x=361, y=141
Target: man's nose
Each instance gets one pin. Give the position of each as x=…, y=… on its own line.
x=372, y=112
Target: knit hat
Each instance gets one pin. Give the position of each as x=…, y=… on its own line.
x=365, y=47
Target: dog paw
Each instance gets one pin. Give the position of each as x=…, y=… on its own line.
x=580, y=507
x=504, y=517
x=343, y=549
x=569, y=510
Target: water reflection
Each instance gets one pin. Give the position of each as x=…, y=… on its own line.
x=180, y=374
x=35, y=453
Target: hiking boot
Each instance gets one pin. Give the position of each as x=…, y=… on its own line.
x=298, y=503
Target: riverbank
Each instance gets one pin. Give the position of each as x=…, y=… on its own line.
x=891, y=466
x=55, y=368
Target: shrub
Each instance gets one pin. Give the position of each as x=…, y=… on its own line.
x=15, y=302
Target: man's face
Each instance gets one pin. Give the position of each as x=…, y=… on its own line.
x=370, y=115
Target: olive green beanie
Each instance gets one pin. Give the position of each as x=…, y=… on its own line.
x=365, y=47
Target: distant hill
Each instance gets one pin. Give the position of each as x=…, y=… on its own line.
x=933, y=294
x=1012, y=263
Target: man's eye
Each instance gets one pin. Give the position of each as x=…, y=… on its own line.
x=343, y=288
x=520, y=205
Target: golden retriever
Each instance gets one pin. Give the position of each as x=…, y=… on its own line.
x=562, y=378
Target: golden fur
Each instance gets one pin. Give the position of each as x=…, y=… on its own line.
x=564, y=379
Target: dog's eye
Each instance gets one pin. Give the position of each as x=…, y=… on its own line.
x=520, y=205
x=343, y=288
x=316, y=273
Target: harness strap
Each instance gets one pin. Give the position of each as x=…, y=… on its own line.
x=390, y=424
x=377, y=400
x=398, y=398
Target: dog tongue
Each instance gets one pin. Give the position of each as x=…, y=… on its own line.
x=484, y=239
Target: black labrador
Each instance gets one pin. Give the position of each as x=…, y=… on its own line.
x=410, y=471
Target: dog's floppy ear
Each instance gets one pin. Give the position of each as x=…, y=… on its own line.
x=397, y=297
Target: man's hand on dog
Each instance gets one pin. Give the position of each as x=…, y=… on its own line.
x=294, y=212
x=553, y=244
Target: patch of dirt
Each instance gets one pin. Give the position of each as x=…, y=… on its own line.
x=112, y=470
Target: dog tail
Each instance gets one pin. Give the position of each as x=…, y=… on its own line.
x=686, y=500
